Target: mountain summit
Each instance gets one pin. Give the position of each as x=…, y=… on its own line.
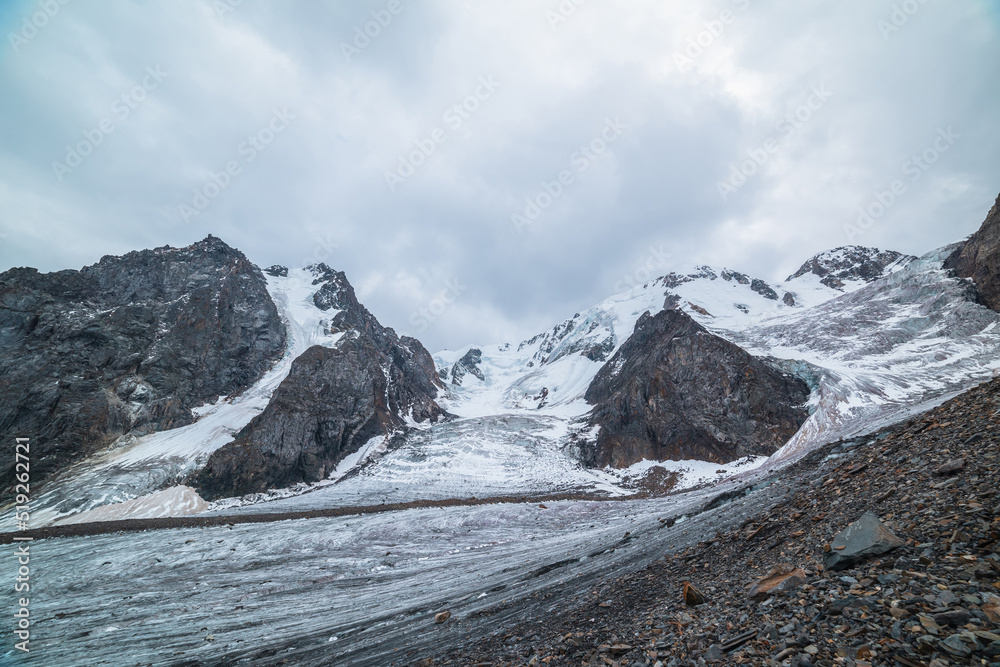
x=852, y=265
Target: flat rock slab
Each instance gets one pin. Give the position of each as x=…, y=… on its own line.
x=863, y=539
x=781, y=579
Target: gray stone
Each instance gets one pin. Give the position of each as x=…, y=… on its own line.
x=714, y=654
x=863, y=539
x=956, y=646
x=954, y=618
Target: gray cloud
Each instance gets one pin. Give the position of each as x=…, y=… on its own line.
x=318, y=190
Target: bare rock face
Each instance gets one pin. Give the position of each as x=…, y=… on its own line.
x=979, y=259
x=852, y=264
x=333, y=401
x=675, y=391
x=468, y=364
x=128, y=345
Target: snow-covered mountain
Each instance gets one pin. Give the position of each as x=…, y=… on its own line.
x=875, y=335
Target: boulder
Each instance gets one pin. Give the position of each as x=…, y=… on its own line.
x=781, y=579
x=692, y=596
x=863, y=539
x=951, y=467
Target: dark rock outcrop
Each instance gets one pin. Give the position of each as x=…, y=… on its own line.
x=128, y=345
x=764, y=289
x=468, y=364
x=979, y=259
x=852, y=263
x=277, y=271
x=332, y=402
x=675, y=391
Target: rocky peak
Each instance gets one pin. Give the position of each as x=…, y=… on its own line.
x=135, y=342
x=676, y=391
x=978, y=259
x=334, y=400
x=853, y=263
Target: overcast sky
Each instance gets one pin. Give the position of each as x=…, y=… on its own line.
x=118, y=121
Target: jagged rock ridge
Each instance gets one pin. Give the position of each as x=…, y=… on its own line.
x=675, y=391
x=849, y=264
x=333, y=401
x=128, y=345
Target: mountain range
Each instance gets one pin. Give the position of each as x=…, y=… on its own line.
x=177, y=380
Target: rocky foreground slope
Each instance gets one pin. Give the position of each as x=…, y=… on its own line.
x=761, y=592
x=128, y=346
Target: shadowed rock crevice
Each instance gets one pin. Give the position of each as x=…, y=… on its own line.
x=675, y=391
x=128, y=346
